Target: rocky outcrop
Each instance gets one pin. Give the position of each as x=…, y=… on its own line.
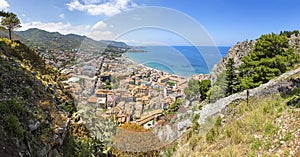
x=294, y=41
x=177, y=126
x=242, y=49
x=182, y=122
x=280, y=84
x=237, y=52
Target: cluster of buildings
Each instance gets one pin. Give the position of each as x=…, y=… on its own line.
x=58, y=58
x=123, y=90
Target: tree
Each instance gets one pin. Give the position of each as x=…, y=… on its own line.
x=231, y=78
x=197, y=89
x=3, y=13
x=11, y=21
x=270, y=57
x=215, y=93
x=204, y=86
x=192, y=90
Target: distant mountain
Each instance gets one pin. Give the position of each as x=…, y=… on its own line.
x=57, y=41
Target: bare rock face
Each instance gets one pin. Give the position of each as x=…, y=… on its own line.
x=237, y=52
x=294, y=41
x=179, y=125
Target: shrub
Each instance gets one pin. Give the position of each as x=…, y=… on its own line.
x=211, y=135
x=13, y=126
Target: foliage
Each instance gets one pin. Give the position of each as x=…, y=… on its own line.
x=218, y=89
x=13, y=126
x=170, y=83
x=83, y=146
x=170, y=150
x=192, y=90
x=216, y=92
x=10, y=110
x=197, y=89
x=173, y=108
x=249, y=128
x=11, y=21
x=3, y=13
x=204, y=86
x=195, y=125
x=53, y=41
x=25, y=98
x=289, y=33
x=270, y=57
x=294, y=101
x=213, y=133
x=232, y=82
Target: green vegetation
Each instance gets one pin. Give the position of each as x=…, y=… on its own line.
x=3, y=13
x=170, y=150
x=173, y=108
x=10, y=111
x=48, y=42
x=107, y=84
x=82, y=144
x=10, y=21
x=218, y=89
x=249, y=129
x=232, y=82
x=267, y=125
x=170, y=83
x=270, y=57
x=33, y=104
x=289, y=33
x=197, y=89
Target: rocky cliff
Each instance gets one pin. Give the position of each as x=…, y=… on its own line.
x=237, y=52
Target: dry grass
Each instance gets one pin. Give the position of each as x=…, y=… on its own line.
x=262, y=127
x=134, y=127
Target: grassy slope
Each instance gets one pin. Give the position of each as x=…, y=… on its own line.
x=30, y=92
x=266, y=126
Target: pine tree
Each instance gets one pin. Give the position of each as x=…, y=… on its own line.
x=10, y=21
x=231, y=78
x=3, y=13
x=270, y=57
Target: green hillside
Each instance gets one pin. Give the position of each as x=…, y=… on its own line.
x=55, y=41
x=37, y=114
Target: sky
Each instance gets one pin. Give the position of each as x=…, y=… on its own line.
x=170, y=22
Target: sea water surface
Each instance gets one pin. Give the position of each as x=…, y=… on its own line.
x=180, y=60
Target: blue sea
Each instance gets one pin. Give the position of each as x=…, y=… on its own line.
x=180, y=60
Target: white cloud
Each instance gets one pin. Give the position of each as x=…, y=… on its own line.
x=100, y=25
x=61, y=16
x=92, y=1
x=4, y=5
x=102, y=35
x=63, y=28
x=107, y=8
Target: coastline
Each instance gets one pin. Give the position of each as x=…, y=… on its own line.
x=195, y=76
x=149, y=68
x=183, y=61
